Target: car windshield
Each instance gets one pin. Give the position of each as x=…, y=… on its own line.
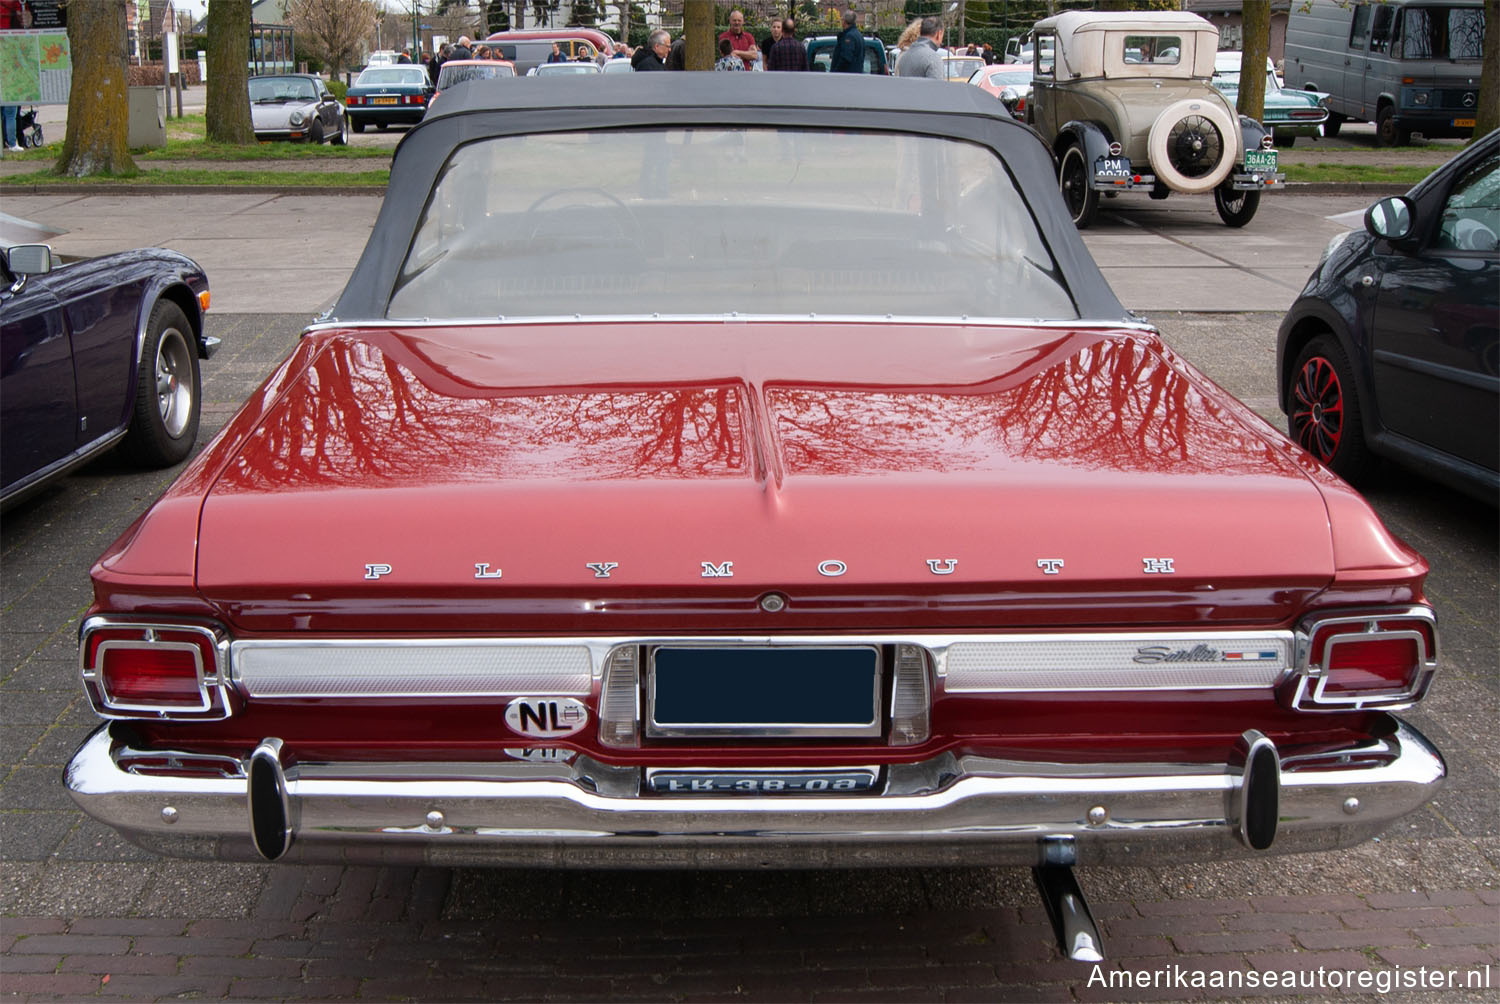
x=552, y=69
x=1003, y=78
x=392, y=75
x=450, y=75
x=716, y=221
x=270, y=89
x=962, y=67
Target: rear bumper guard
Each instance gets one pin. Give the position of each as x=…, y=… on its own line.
x=1242, y=181
x=947, y=811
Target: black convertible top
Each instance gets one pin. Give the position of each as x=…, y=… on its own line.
x=481, y=109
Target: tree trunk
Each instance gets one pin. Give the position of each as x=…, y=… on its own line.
x=227, y=101
x=698, y=28
x=1487, y=115
x=1257, y=43
x=98, y=109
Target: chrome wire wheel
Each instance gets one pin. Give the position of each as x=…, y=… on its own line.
x=174, y=381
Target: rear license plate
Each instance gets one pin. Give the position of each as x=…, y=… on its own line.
x=761, y=691
x=1260, y=161
x=770, y=782
x=385, y=101
x=1112, y=168
x=1463, y=123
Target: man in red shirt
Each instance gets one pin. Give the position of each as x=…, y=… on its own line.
x=740, y=40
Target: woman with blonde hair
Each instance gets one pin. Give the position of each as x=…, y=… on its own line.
x=911, y=34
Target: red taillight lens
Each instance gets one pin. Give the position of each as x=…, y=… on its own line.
x=155, y=671
x=1386, y=665
x=354, y=99
x=151, y=675
x=1364, y=662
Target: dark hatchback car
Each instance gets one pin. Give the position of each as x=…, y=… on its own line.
x=1391, y=350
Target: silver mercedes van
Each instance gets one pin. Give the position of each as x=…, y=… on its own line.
x=1406, y=65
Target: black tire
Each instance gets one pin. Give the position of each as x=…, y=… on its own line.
x=1073, y=181
x=342, y=139
x=1323, y=410
x=1333, y=125
x=1386, y=131
x=1236, y=208
x=315, y=134
x=1285, y=139
x=358, y=125
x=382, y=126
x=168, y=395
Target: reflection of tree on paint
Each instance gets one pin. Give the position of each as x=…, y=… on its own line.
x=1113, y=405
x=362, y=418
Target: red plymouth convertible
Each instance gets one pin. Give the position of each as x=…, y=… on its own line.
x=757, y=473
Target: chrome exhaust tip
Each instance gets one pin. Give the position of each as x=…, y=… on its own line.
x=1073, y=923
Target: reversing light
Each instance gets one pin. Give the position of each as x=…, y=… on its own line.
x=171, y=671
x=910, y=699
x=1381, y=660
x=620, y=699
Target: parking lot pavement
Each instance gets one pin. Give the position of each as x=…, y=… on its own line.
x=82, y=914
x=293, y=252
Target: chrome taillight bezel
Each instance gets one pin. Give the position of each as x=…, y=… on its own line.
x=216, y=695
x=1307, y=688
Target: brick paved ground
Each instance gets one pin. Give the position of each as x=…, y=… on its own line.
x=83, y=914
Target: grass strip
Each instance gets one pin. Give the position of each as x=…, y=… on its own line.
x=1382, y=174
x=187, y=176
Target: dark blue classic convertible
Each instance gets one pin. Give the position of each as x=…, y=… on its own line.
x=97, y=353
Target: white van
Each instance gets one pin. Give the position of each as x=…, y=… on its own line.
x=1406, y=65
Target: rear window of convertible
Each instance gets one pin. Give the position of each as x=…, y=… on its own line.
x=718, y=221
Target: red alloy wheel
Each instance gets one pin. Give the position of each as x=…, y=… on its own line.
x=1318, y=409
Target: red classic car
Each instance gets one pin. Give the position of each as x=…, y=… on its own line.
x=666, y=490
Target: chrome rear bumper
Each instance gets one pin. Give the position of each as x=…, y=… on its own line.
x=948, y=811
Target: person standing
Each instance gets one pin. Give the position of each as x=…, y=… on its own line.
x=770, y=40
x=556, y=55
x=924, y=59
x=788, y=53
x=13, y=15
x=653, y=55
x=740, y=40
x=462, y=50
x=728, y=61
x=438, y=59
x=849, y=50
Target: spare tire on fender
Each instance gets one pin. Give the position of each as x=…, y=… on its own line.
x=1193, y=146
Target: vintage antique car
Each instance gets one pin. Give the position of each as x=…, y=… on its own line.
x=96, y=353
x=296, y=106
x=1287, y=113
x=1393, y=347
x=868, y=528
x=1125, y=101
x=384, y=96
